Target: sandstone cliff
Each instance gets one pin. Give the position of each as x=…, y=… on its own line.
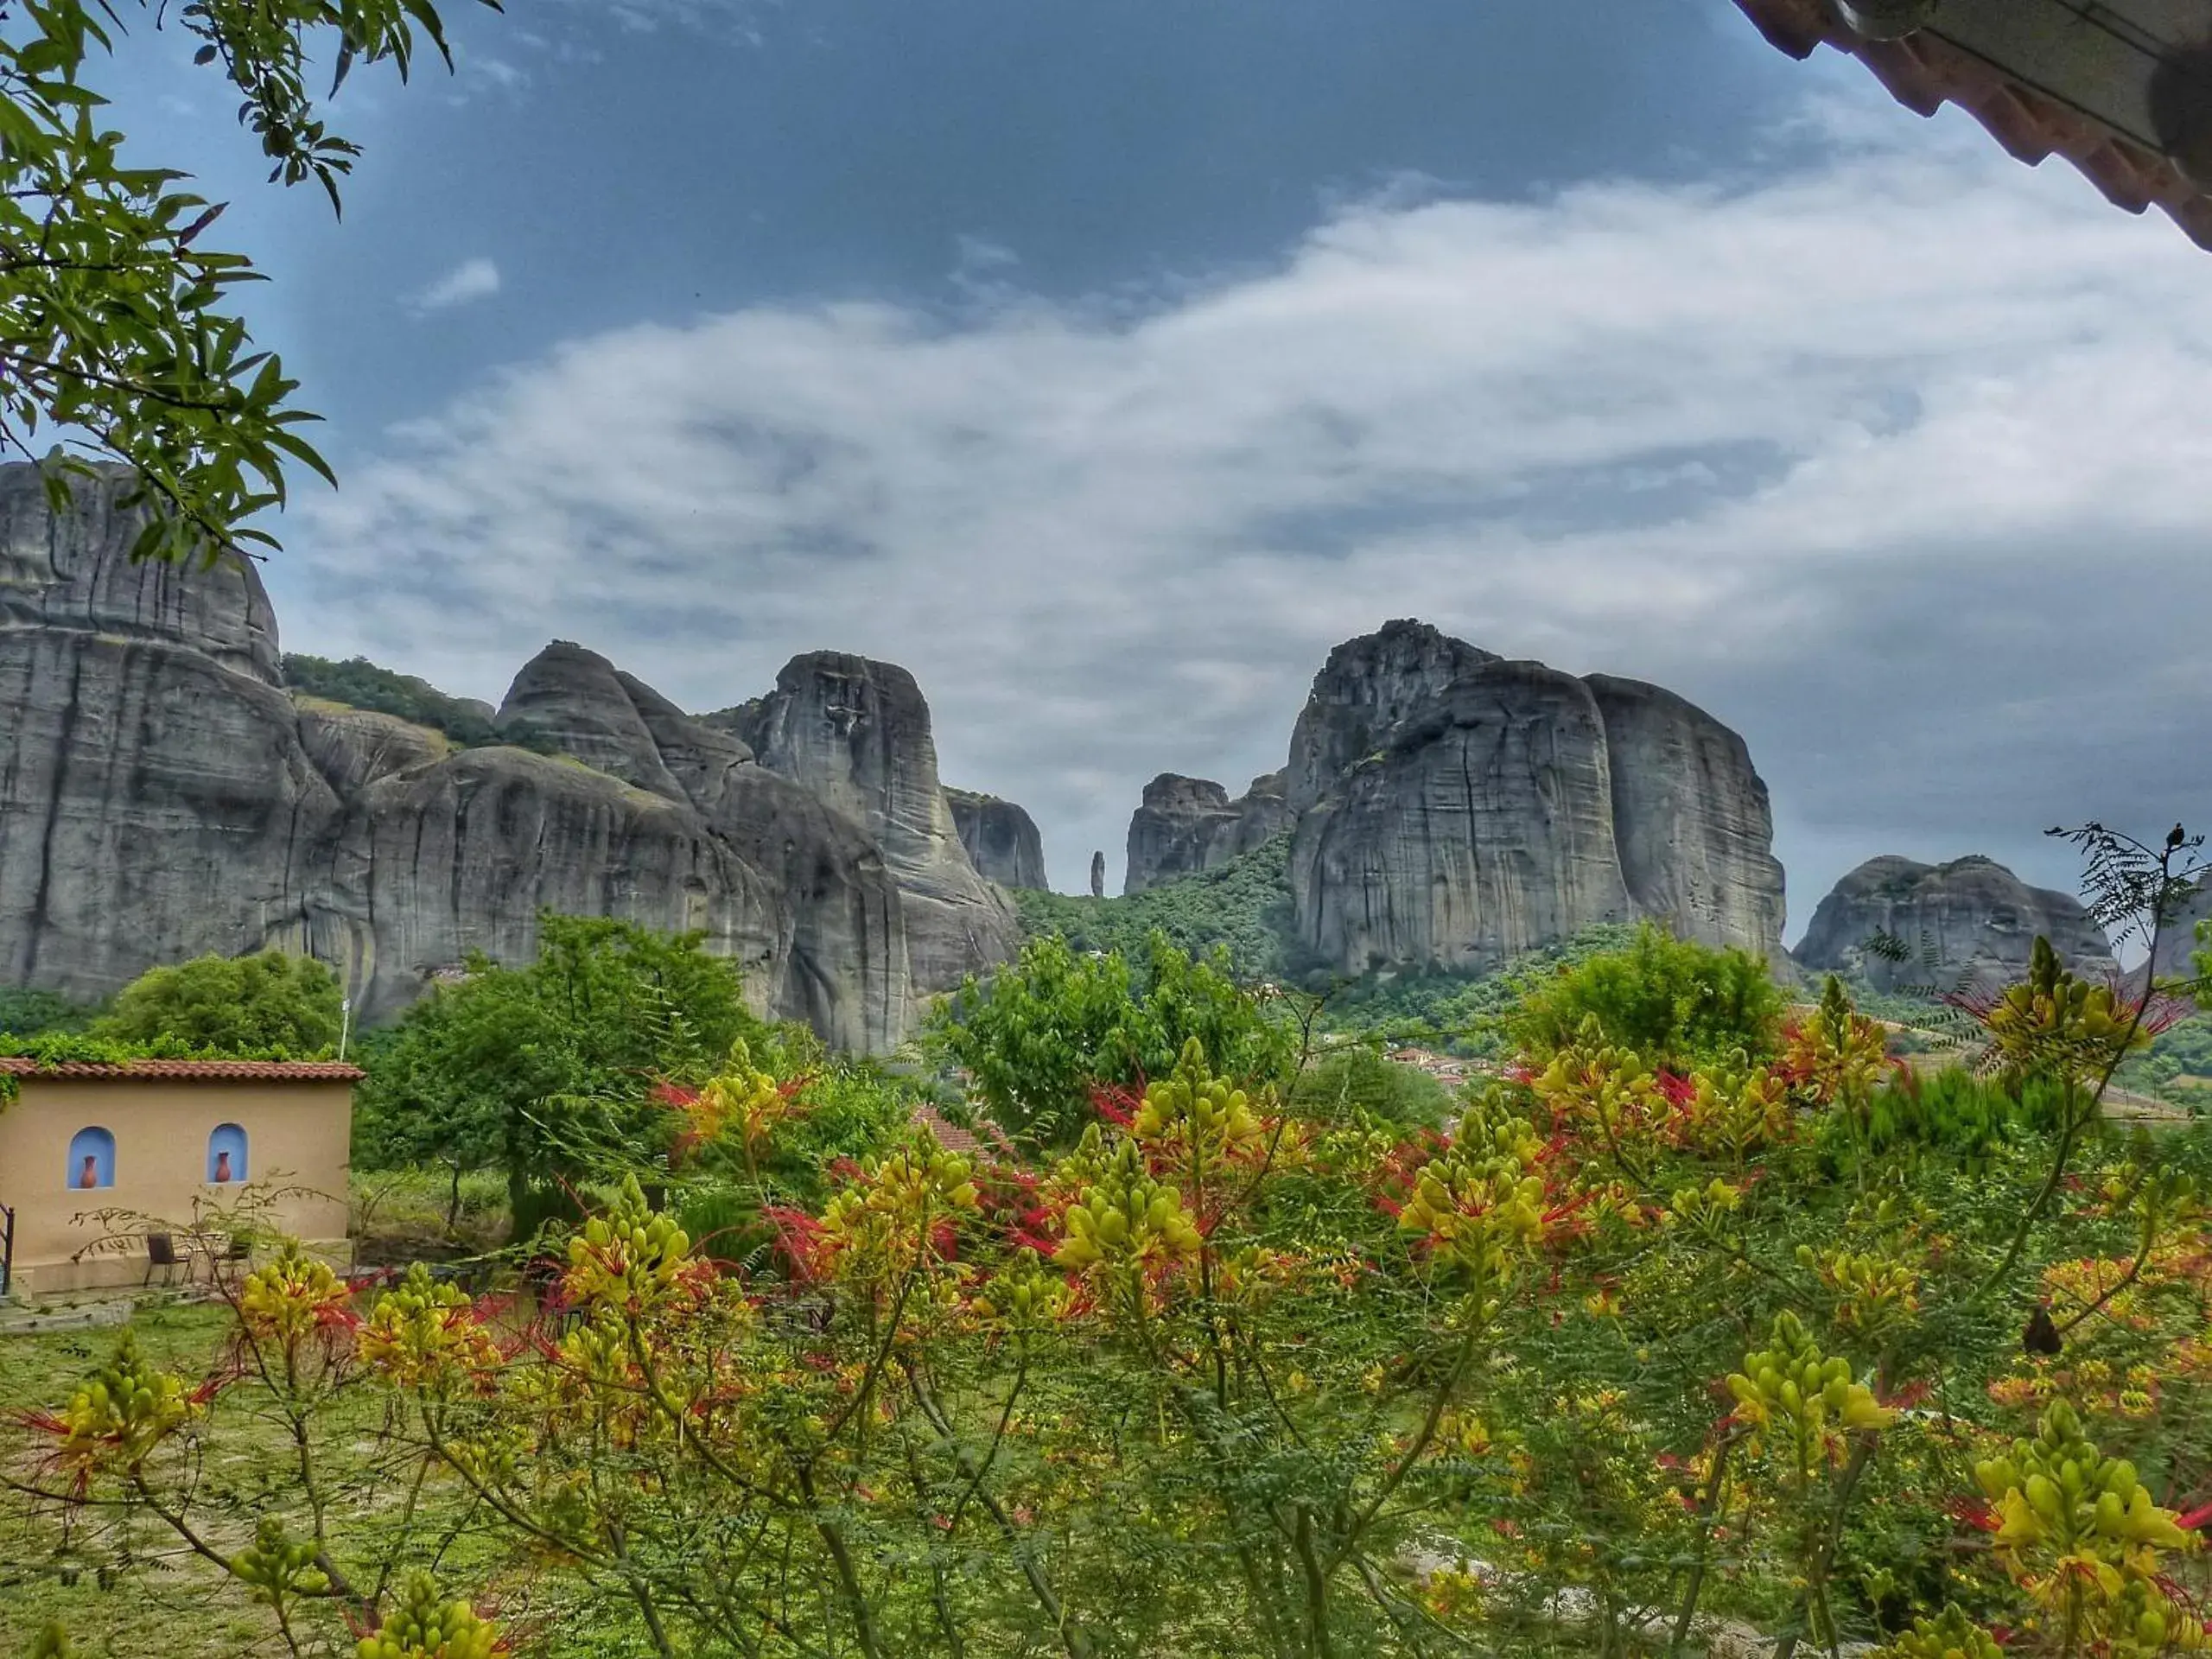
x=162, y=796
x=1188, y=824
x=155, y=799
x=1969, y=920
x=1002, y=839
x=855, y=733
x=1452, y=809
x=1477, y=826
x=1691, y=818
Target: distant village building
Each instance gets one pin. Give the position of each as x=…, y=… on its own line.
x=110, y=1168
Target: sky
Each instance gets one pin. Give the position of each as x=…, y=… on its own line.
x=1104, y=364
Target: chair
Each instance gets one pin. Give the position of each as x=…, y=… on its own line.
x=161, y=1252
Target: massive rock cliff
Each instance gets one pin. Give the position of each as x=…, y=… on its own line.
x=1189, y=824
x=1691, y=818
x=855, y=732
x=155, y=799
x=1452, y=809
x=161, y=795
x=1969, y=920
x=1476, y=825
x=1002, y=839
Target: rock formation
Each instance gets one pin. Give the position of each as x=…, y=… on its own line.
x=1098, y=874
x=1189, y=824
x=1171, y=830
x=1001, y=840
x=1969, y=920
x=161, y=795
x=855, y=733
x=1691, y=818
x=155, y=799
x=1452, y=809
x=1368, y=688
x=1475, y=826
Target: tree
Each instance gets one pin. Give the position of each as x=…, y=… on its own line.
x=28, y=1014
x=1044, y=1028
x=1674, y=1001
x=547, y=1071
x=270, y=1003
x=113, y=319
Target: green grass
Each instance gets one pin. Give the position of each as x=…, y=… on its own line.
x=127, y=1588
x=170, y=1603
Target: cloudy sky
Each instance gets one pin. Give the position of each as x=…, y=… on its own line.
x=1105, y=361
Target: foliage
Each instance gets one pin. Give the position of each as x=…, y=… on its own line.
x=1044, y=1030
x=1354, y=1084
x=1465, y=1013
x=1675, y=1002
x=271, y=1004
x=2177, y=1066
x=361, y=684
x=113, y=322
x=1242, y=907
x=547, y=1072
x=26, y=1013
x=1632, y=1346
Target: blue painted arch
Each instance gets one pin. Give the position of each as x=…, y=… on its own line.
x=226, y=1155
x=92, y=1159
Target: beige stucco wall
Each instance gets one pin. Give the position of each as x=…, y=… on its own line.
x=298, y=1139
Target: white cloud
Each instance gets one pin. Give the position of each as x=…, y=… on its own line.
x=471, y=279
x=1867, y=458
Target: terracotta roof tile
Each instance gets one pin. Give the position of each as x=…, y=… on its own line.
x=949, y=1136
x=192, y=1071
x=1924, y=71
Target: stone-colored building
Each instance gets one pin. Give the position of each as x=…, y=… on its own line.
x=94, y=1158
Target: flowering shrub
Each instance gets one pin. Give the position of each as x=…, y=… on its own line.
x=1632, y=1345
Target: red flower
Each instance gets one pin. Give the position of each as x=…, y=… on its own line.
x=1973, y=1512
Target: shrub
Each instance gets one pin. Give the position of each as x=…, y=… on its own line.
x=1041, y=1031
x=270, y=1002
x=1675, y=1001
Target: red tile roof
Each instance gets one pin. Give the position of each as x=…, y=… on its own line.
x=192, y=1071
x=1924, y=71
x=949, y=1136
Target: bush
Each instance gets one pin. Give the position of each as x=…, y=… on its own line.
x=29, y=1014
x=1675, y=1001
x=361, y=684
x=1044, y=1029
x=1356, y=1085
x=547, y=1071
x=269, y=1003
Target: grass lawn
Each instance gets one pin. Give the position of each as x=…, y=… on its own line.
x=170, y=1603
x=130, y=1588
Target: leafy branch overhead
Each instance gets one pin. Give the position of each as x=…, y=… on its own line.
x=117, y=331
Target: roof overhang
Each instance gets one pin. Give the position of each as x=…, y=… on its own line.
x=2122, y=90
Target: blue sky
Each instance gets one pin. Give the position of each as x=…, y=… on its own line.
x=1105, y=363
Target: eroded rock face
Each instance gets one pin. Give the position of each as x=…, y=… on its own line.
x=436, y=861
x=1691, y=819
x=1172, y=831
x=1971, y=920
x=1452, y=809
x=1188, y=824
x=162, y=796
x=839, y=960
x=1002, y=839
x=72, y=571
x=1366, y=689
x=1479, y=825
x=155, y=800
x=855, y=732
